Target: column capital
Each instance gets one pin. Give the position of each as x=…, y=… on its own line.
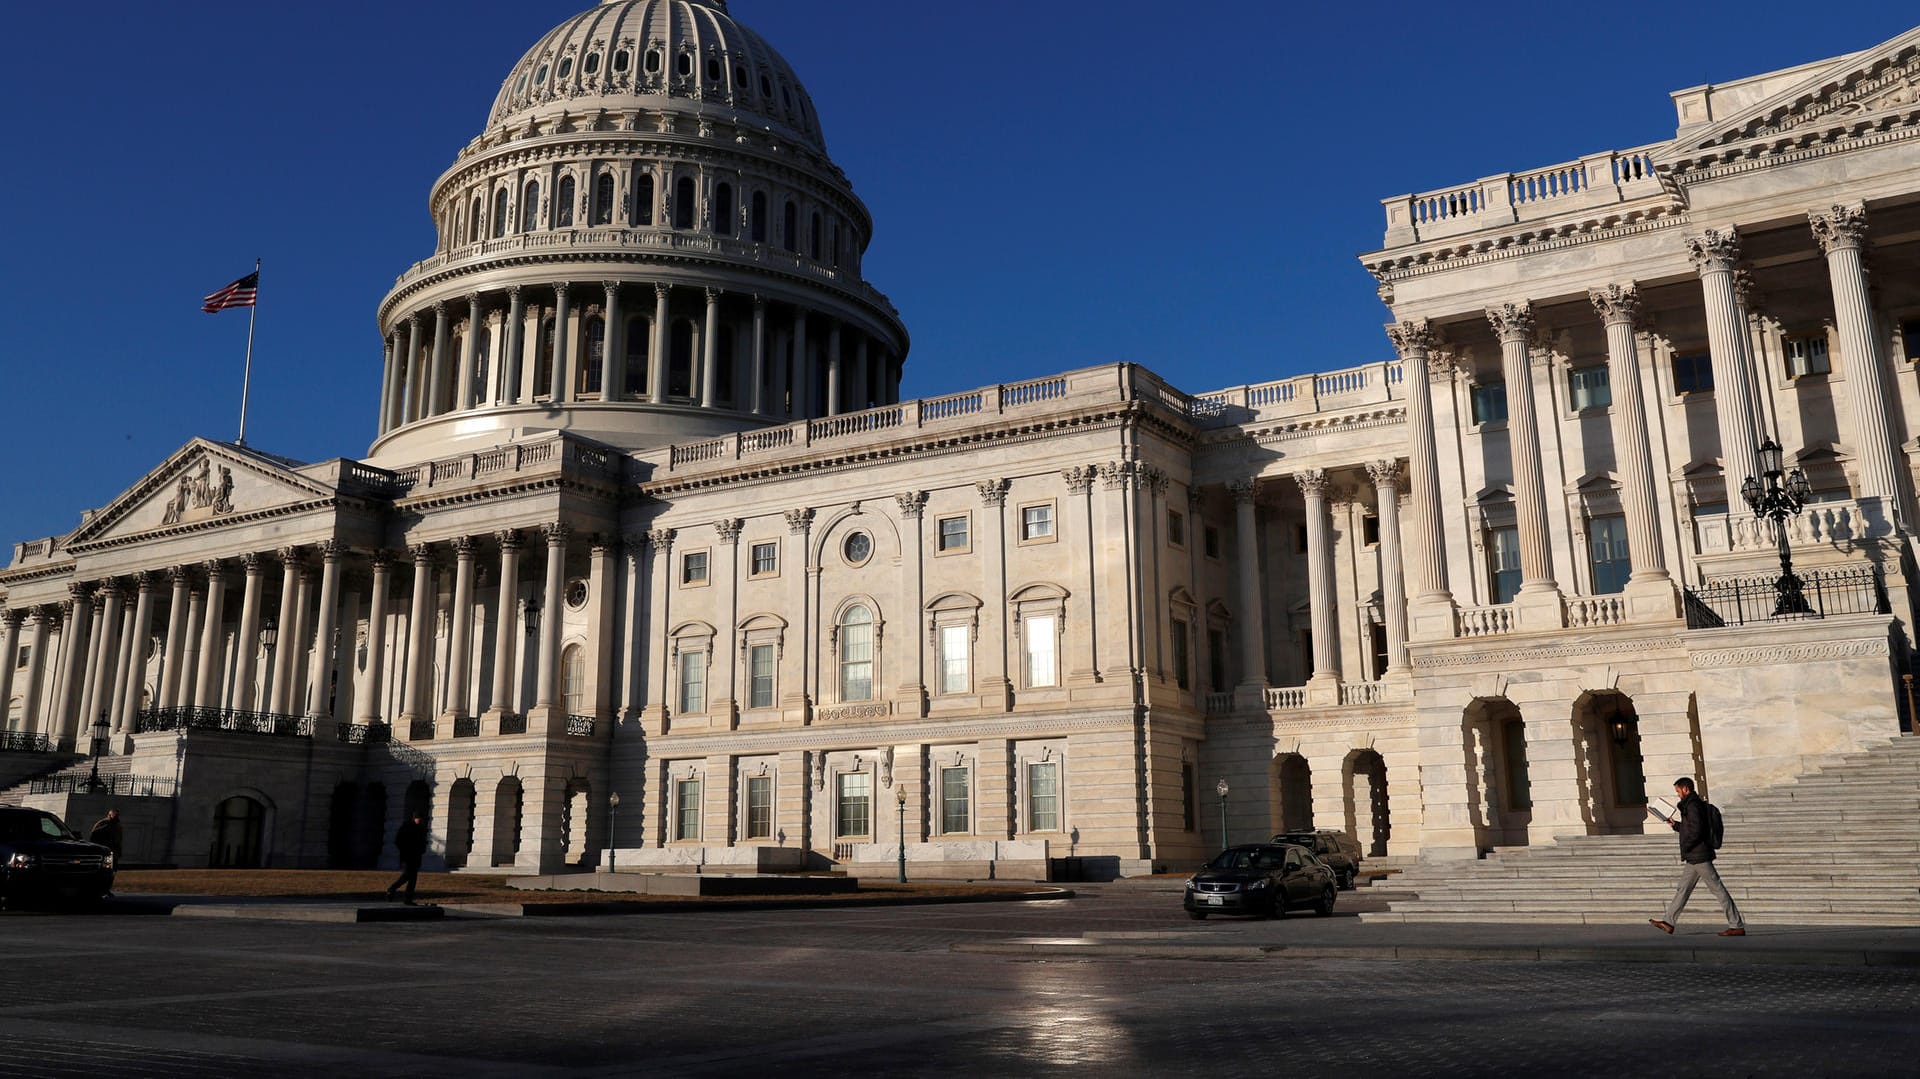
x=413, y=321
x=599, y=543
x=1079, y=478
x=179, y=574
x=1313, y=482
x=380, y=558
x=330, y=550
x=440, y=309
x=799, y=520
x=420, y=552
x=713, y=295
x=473, y=298
x=728, y=528
x=12, y=617
x=1616, y=304
x=287, y=554
x=612, y=287
x=556, y=533
x=560, y=290
x=214, y=568
x=1412, y=337
x=661, y=289
x=1714, y=250
x=911, y=503
x=253, y=562
x=635, y=544
x=513, y=293
x=1243, y=491
x=1839, y=227
x=1511, y=322
x=48, y=613
x=993, y=492
x=661, y=539
x=463, y=547
x=759, y=303
x=1384, y=474
x=508, y=539
x=145, y=580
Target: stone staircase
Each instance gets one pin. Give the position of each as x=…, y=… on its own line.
x=80, y=768
x=1839, y=846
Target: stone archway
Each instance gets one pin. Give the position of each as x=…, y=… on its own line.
x=506, y=821
x=1371, y=823
x=239, y=833
x=1613, y=782
x=460, y=801
x=575, y=811
x=1290, y=793
x=1499, y=783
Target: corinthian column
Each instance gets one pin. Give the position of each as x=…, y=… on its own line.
x=43, y=619
x=9, y=644
x=126, y=701
x=1433, y=608
x=458, y=647
x=325, y=630
x=1324, y=618
x=442, y=359
x=1253, y=643
x=503, y=699
x=757, y=398
x=657, y=360
x=560, y=387
x=1540, y=606
x=247, y=644
x=419, y=637
x=1716, y=255
x=182, y=581
x=516, y=346
x=1393, y=589
x=710, y=352
x=613, y=346
x=370, y=702
x=206, y=679
x=287, y=651
x=469, y=354
x=1842, y=234
x=105, y=661
x=416, y=385
x=546, y=681
x=1650, y=592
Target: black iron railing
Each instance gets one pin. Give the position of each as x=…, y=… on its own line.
x=420, y=730
x=22, y=742
x=223, y=719
x=580, y=726
x=124, y=786
x=357, y=734
x=513, y=723
x=466, y=726
x=1737, y=601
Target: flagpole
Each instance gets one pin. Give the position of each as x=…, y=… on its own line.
x=246, y=379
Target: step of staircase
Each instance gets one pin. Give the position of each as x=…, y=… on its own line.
x=109, y=766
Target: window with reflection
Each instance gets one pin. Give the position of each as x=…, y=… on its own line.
x=603, y=199
x=856, y=654
x=530, y=206
x=642, y=198
x=723, y=209
x=563, y=204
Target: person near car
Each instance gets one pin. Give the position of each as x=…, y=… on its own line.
x=411, y=842
x=108, y=832
x=1696, y=862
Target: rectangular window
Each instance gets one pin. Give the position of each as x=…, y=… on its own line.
x=1217, y=659
x=693, y=567
x=1037, y=637
x=1188, y=791
x=1607, y=544
x=760, y=671
x=1377, y=641
x=1036, y=522
x=1589, y=387
x=854, y=816
x=956, y=810
x=1043, y=797
x=1176, y=528
x=686, y=809
x=24, y=659
x=1211, y=540
x=1692, y=372
x=1503, y=556
x=1490, y=402
x=1370, y=530
x=766, y=560
x=1807, y=356
x=1180, y=677
x=693, y=682
x=953, y=534
x=760, y=807
x=1910, y=338
x=955, y=645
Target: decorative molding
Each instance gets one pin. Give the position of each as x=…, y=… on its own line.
x=1714, y=250
x=799, y=520
x=1511, y=322
x=1839, y=228
x=1785, y=654
x=911, y=503
x=1079, y=478
x=1616, y=304
x=661, y=539
x=728, y=528
x=1527, y=659
x=1412, y=337
x=1313, y=482
x=992, y=492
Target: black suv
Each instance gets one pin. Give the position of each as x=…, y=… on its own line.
x=1335, y=848
x=1261, y=879
x=40, y=859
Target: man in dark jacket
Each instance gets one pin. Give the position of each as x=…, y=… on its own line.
x=108, y=833
x=1696, y=861
x=411, y=842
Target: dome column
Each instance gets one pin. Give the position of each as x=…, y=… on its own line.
x=388, y=383
x=412, y=409
x=516, y=345
x=470, y=353
x=801, y=391
x=562, y=337
x=782, y=372
x=657, y=360
x=613, y=347
x=757, y=396
x=710, y=351
x=834, y=388
x=862, y=376
x=437, y=380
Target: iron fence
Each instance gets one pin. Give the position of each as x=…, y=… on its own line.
x=357, y=734
x=513, y=723
x=466, y=726
x=120, y=786
x=22, y=742
x=223, y=719
x=420, y=730
x=1736, y=601
x=580, y=726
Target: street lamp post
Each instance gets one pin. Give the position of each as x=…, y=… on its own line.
x=101, y=729
x=900, y=795
x=1777, y=495
x=1220, y=788
x=613, y=847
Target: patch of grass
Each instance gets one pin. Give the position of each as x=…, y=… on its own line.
x=369, y=886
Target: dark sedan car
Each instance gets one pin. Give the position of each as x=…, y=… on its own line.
x=40, y=859
x=1262, y=879
x=1335, y=848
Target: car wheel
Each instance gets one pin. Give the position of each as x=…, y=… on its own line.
x=1348, y=878
x=1197, y=915
x=1325, y=906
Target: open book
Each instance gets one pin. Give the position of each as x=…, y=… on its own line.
x=1663, y=810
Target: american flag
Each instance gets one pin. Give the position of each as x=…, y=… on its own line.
x=239, y=294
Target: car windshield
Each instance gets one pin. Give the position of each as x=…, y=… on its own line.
x=1243, y=858
x=18, y=827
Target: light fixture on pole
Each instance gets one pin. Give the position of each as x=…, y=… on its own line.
x=101, y=729
x=1777, y=495
x=613, y=848
x=531, y=608
x=1220, y=788
x=900, y=795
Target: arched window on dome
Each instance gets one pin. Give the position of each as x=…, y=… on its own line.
x=482, y=360
x=854, y=643
x=603, y=198
x=790, y=228
x=642, y=196
x=833, y=247
x=476, y=221
x=499, y=213
x=593, y=356
x=813, y=237
x=723, y=209
x=530, y=206
x=680, y=360
x=757, y=219
x=683, y=203
x=563, y=204
x=639, y=341
x=543, y=360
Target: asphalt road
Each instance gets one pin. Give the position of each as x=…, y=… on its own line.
x=880, y=991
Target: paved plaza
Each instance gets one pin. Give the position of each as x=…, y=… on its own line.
x=884, y=991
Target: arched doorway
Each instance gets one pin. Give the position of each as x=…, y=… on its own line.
x=506, y=821
x=1614, y=778
x=371, y=834
x=1372, y=826
x=573, y=824
x=239, y=826
x=340, y=840
x=459, y=822
x=1290, y=793
x=1499, y=785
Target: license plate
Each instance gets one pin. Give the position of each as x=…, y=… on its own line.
x=1216, y=900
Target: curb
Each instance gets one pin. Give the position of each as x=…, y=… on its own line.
x=681, y=906
x=1796, y=957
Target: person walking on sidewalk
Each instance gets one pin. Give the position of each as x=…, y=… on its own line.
x=411, y=842
x=1697, y=843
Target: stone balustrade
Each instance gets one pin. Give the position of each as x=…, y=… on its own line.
x=1819, y=524
x=1595, y=180
x=1491, y=621
x=1284, y=698
x=1372, y=383
x=1587, y=612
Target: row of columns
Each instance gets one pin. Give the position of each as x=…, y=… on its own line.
x=1715, y=253
x=423, y=378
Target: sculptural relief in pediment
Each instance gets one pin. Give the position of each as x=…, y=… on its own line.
x=197, y=486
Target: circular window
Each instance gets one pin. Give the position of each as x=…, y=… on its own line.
x=621, y=60
x=540, y=75
x=858, y=548
x=566, y=68
x=592, y=63
x=576, y=594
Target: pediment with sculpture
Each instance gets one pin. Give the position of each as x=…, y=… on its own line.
x=204, y=482
x=1878, y=80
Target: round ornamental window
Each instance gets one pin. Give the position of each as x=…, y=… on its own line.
x=857, y=548
x=540, y=75
x=566, y=68
x=521, y=86
x=592, y=64
x=621, y=59
x=576, y=594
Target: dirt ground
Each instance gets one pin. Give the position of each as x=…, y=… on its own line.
x=370, y=886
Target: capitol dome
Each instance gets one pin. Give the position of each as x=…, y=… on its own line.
x=646, y=244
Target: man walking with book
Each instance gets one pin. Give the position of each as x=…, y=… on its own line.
x=1694, y=820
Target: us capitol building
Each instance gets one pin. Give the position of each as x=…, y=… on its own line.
x=645, y=515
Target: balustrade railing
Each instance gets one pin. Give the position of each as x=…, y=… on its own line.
x=1365, y=384
x=1818, y=524
x=1738, y=601
x=1283, y=697
x=1219, y=703
x=124, y=786
x=358, y=734
x=1487, y=621
x=222, y=719
x=1607, y=177
x=1362, y=692
x=580, y=726
x=1585, y=612
x=22, y=742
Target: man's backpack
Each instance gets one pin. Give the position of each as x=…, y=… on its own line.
x=1716, y=826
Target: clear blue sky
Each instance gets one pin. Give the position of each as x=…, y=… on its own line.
x=1054, y=184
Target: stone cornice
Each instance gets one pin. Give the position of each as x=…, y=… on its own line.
x=1265, y=435
x=1483, y=248
x=862, y=734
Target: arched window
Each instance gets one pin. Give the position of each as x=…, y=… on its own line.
x=499, y=214
x=642, y=197
x=790, y=227
x=683, y=203
x=813, y=237
x=573, y=677
x=639, y=341
x=723, y=209
x=833, y=248
x=482, y=356
x=563, y=205
x=856, y=654
x=680, y=360
x=530, y=206
x=543, y=360
x=596, y=352
x=603, y=199
x=476, y=221
x=758, y=222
